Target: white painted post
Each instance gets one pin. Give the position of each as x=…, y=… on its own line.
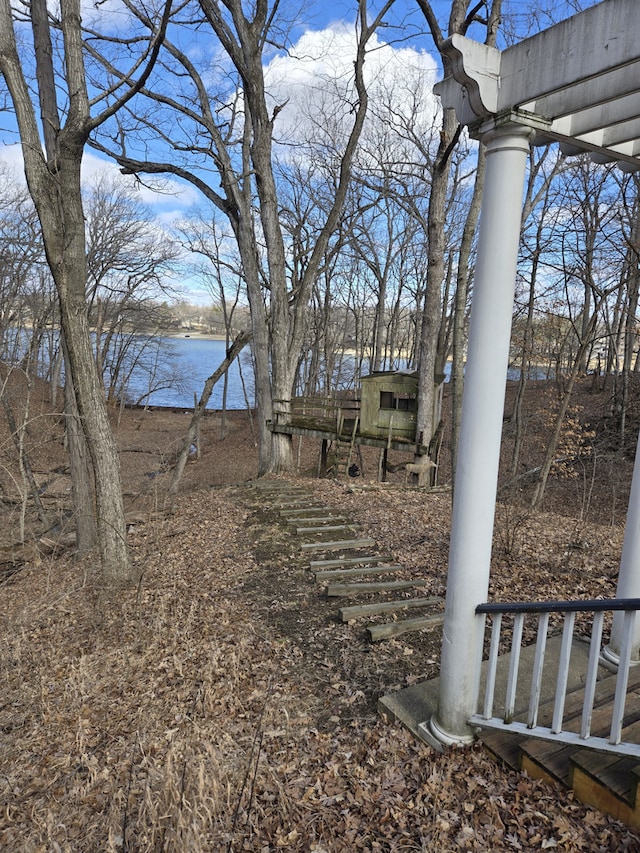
x=481, y=430
x=629, y=575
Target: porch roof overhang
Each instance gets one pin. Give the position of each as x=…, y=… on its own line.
x=577, y=83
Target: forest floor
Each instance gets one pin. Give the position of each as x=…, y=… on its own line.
x=221, y=705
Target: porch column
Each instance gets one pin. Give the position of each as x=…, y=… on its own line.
x=481, y=429
x=629, y=575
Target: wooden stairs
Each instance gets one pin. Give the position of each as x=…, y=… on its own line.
x=348, y=566
x=604, y=780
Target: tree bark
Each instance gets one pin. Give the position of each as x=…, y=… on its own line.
x=82, y=488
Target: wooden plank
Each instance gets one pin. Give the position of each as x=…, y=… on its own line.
x=330, y=433
x=360, y=571
x=300, y=503
x=283, y=495
x=587, y=790
x=503, y=745
x=605, y=689
x=348, y=561
x=318, y=519
x=613, y=772
x=294, y=513
x=325, y=528
x=538, y=771
x=546, y=760
x=336, y=546
x=273, y=485
x=335, y=590
x=396, y=629
x=358, y=611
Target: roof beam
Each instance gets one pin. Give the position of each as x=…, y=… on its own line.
x=612, y=87
x=583, y=47
x=577, y=82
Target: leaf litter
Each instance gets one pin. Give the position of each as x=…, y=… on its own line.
x=222, y=706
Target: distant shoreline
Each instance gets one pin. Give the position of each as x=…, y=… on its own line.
x=198, y=336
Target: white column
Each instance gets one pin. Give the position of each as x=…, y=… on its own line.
x=629, y=575
x=481, y=431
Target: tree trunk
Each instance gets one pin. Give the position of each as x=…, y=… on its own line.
x=428, y=417
x=237, y=347
x=52, y=171
x=82, y=492
x=460, y=308
x=58, y=200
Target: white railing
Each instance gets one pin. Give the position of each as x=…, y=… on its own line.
x=554, y=731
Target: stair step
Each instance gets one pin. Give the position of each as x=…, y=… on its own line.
x=318, y=519
x=404, y=626
x=604, y=789
x=601, y=716
x=274, y=486
x=359, y=571
x=360, y=611
x=294, y=513
x=503, y=745
x=348, y=561
x=615, y=772
x=336, y=590
x=292, y=503
x=336, y=546
x=606, y=781
x=325, y=528
x=548, y=760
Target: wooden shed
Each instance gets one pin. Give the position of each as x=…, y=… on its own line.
x=389, y=404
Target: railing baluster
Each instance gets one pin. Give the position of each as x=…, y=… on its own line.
x=592, y=674
x=622, y=680
x=514, y=666
x=613, y=744
x=538, y=664
x=492, y=666
x=563, y=672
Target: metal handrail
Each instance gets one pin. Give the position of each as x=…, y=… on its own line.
x=487, y=719
x=595, y=605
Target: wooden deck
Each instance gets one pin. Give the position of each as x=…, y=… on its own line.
x=603, y=780
x=315, y=428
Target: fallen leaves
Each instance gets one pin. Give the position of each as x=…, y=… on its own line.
x=227, y=709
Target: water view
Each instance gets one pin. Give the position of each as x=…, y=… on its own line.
x=187, y=363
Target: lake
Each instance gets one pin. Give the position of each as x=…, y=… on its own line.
x=189, y=363
x=191, y=360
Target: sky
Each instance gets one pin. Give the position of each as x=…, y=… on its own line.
x=322, y=45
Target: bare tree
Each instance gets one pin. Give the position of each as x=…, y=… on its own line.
x=219, y=270
x=54, y=126
x=233, y=132
x=463, y=15
x=129, y=261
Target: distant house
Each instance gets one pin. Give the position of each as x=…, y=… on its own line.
x=389, y=404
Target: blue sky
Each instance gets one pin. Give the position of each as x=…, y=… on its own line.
x=410, y=48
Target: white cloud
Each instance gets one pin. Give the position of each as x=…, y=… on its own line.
x=11, y=158
x=314, y=80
